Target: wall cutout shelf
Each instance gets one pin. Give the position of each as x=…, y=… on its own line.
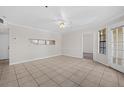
x=42, y=42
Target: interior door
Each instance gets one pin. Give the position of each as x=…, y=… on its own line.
x=118, y=49
x=4, y=45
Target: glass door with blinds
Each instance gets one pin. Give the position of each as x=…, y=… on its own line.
x=118, y=48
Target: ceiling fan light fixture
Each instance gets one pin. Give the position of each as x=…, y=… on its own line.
x=62, y=25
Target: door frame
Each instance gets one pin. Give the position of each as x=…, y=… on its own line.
x=110, y=56
x=6, y=33
x=87, y=33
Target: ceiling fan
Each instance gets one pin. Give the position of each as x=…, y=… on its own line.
x=61, y=20
x=62, y=23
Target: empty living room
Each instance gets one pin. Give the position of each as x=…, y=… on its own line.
x=61, y=46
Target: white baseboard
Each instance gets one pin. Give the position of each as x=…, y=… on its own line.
x=72, y=56
x=33, y=59
x=102, y=63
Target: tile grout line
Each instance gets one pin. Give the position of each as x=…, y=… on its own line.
x=118, y=78
x=44, y=74
x=53, y=80
x=47, y=75
x=72, y=75
x=101, y=77
x=68, y=79
x=16, y=76
x=82, y=79
x=90, y=71
x=1, y=73
x=86, y=75
x=31, y=75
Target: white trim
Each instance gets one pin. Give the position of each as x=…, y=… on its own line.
x=117, y=67
x=72, y=56
x=33, y=59
x=29, y=27
x=97, y=25
x=102, y=63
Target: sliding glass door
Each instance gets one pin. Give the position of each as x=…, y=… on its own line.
x=118, y=48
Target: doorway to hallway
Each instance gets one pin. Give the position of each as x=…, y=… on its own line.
x=4, y=45
x=88, y=45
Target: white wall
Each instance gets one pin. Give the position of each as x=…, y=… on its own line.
x=87, y=42
x=72, y=44
x=4, y=43
x=21, y=50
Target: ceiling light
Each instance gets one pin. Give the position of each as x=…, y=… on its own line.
x=61, y=25
x=101, y=33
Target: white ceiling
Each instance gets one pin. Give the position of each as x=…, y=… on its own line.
x=46, y=18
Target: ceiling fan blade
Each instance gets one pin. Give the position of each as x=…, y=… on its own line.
x=63, y=15
x=60, y=18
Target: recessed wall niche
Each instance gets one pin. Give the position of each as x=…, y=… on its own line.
x=42, y=42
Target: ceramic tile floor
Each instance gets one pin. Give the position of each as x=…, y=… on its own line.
x=60, y=71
